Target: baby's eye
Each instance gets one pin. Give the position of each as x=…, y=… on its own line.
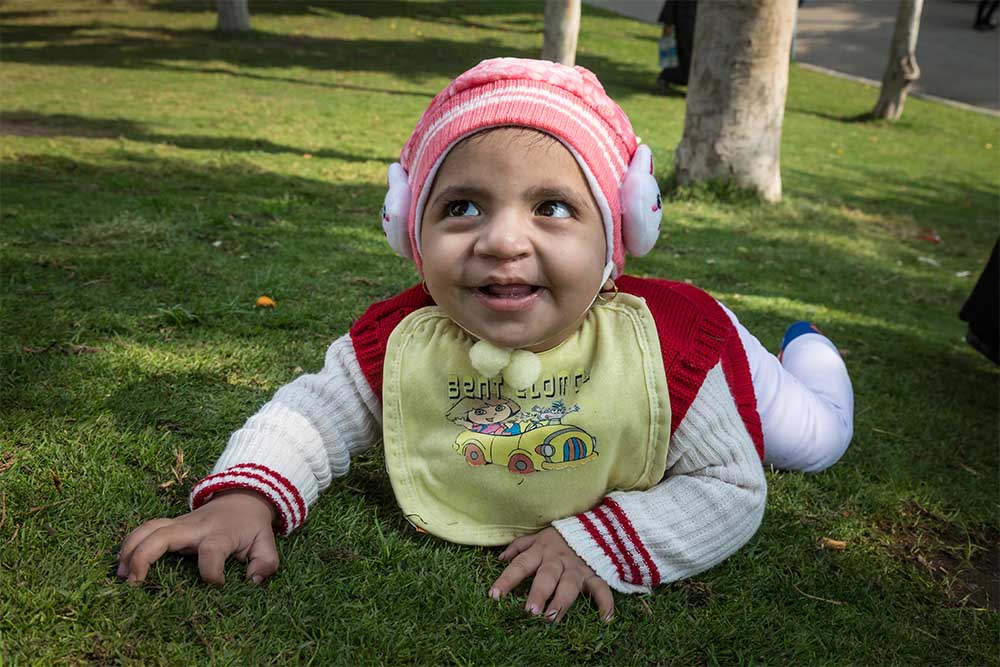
x=461, y=209
x=554, y=209
x=498, y=408
x=479, y=412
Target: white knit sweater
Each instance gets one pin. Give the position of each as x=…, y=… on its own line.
x=709, y=503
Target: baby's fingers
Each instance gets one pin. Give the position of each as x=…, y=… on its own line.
x=134, y=539
x=212, y=555
x=263, y=557
x=566, y=594
x=600, y=593
x=173, y=537
x=520, y=569
x=519, y=545
x=546, y=579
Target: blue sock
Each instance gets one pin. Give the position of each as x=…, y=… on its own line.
x=797, y=329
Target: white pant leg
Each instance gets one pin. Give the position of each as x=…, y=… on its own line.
x=805, y=401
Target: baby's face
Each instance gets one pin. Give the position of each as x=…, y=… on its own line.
x=512, y=240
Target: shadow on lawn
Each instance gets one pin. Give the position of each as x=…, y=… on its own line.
x=31, y=124
x=964, y=207
x=417, y=59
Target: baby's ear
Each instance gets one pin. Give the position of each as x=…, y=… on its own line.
x=396, y=211
x=642, y=209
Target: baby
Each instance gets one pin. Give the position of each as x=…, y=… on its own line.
x=518, y=195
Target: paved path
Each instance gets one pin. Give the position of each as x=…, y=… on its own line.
x=852, y=37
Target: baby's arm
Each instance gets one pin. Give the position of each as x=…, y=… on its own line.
x=709, y=504
x=271, y=471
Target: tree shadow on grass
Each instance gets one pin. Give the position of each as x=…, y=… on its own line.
x=29, y=123
x=438, y=10
x=945, y=200
x=851, y=119
x=103, y=44
x=193, y=405
x=416, y=59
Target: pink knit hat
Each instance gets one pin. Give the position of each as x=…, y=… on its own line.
x=568, y=103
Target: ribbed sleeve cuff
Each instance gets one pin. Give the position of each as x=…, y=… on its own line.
x=272, y=485
x=606, y=540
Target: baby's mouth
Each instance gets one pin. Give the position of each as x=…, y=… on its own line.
x=508, y=296
x=512, y=291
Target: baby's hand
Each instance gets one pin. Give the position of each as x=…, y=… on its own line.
x=559, y=574
x=233, y=523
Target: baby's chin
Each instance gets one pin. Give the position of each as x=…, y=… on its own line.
x=517, y=340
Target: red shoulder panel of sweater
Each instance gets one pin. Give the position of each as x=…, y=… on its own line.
x=370, y=334
x=695, y=334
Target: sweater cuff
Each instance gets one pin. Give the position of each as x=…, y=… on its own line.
x=606, y=540
x=272, y=485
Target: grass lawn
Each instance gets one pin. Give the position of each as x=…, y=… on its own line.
x=157, y=179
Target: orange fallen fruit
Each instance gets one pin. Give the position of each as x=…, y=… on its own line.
x=265, y=302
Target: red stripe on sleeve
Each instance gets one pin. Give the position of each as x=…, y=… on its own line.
x=291, y=488
x=632, y=565
x=206, y=492
x=623, y=519
x=596, y=536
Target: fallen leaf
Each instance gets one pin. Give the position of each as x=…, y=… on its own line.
x=56, y=481
x=265, y=302
x=646, y=607
x=83, y=349
x=40, y=350
x=830, y=543
x=930, y=235
x=928, y=260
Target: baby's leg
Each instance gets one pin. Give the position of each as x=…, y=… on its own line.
x=805, y=400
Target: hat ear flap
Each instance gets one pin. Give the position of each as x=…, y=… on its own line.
x=396, y=211
x=642, y=209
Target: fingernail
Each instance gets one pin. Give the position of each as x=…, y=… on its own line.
x=121, y=569
x=607, y=619
x=257, y=579
x=532, y=609
x=551, y=614
x=494, y=593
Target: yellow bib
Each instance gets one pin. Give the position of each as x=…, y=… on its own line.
x=475, y=461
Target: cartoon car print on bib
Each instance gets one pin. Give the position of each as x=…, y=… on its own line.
x=545, y=448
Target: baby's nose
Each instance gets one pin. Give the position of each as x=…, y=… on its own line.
x=505, y=235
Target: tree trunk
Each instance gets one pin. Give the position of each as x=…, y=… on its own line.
x=234, y=16
x=736, y=95
x=902, y=70
x=562, y=25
